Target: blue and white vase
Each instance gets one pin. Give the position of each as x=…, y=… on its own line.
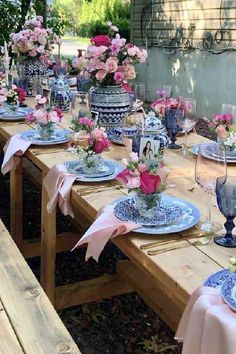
x=31, y=69
x=61, y=94
x=112, y=104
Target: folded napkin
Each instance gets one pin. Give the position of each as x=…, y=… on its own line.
x=105, y=227
x=208, y=325
x=15, y=147
x=58, y=183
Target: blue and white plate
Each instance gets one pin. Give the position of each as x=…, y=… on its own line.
x=59, y=136
x=20, y=114
x=75, y=167
x=217, y=279
x=166, y=214
x=210, y=152
x=112, y=165
x=228, y=291
x=190, y=217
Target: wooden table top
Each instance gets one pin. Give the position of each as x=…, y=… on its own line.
x=181, y=270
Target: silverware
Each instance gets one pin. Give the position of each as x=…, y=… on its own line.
x=168, y=249
x=99, y=189
x=47, y=151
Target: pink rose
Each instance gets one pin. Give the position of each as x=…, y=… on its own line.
x=98, y=134
x=142, y=167
x=100, y=40
x=100, y=75
x=53, y=117
x=101, y=145
x=30, y=118
x=149, y=182
x=119, y=76
x=222, y=132
x=41, y=116
x=134, y=157
x=111, y=65
x=129, y=179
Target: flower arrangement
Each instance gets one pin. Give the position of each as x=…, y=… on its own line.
x=3, y=79
x=110, y=60
x=34, y=41
x=13, y=95
x=163, y=103
x=45, y=116
x=223, y=126
x=143, y=177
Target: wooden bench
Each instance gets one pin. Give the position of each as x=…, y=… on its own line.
x=28, y=322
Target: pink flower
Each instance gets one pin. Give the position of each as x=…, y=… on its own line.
x=32, y=53
x=100, y=40
x=128, y=179
x=222, y=132
x=149, y=182
x=98, y=134
x=119, y=77
x=100, y=75
x=59, y=113
x=142, y=167
x=134, y=157
x=40, y=100
x=111, y=65
x=161, y=93
x=41, y=116
x=30, y=118
x=53, y=117
x=126, y=87
x=101, y=145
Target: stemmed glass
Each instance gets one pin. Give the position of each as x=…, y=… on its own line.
x=226, y=200
x=188, y=122
x=206, y=173
x=138, y=96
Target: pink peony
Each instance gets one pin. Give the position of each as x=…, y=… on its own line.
x=149, y=182
x=101, y=40
x=111, y=65
x=100, y=75
x=101, y=145
x=41, y=116
x=119, y=77
x=128, y=179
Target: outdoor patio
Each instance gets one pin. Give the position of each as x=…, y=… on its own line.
x=118, y=183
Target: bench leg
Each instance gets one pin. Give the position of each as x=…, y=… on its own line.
x=48, y=247
x=16, y=206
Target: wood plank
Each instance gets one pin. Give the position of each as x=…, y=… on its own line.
x=16, y=204
x=86, y=291
x=8, y=340
x=48, y=247
x=161, y=300
x=35, y=322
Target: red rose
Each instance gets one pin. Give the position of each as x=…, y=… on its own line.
x=149, y=182
x=59, y=112
x=100, y=40
x=21, y=94
x=101, y=145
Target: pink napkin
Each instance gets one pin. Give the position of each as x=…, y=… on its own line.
x=14, y=147
x=106, y=226
x=58, y=183
x=208, y=325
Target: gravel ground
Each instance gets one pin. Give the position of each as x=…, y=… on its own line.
x=123, y=324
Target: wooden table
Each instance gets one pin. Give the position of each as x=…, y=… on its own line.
x=165, y=281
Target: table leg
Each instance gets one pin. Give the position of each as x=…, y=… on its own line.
x=16, y=204
x=48, y=247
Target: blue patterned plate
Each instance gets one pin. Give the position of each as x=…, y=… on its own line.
x=167, y=213
x=76, y=168
x=113, y=165
x=20, y=114
x=228, y=291
x=59, y=136
x=217, y=279
x=190, y=217
x=209, y=152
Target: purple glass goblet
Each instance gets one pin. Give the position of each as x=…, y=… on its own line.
x=226, y=200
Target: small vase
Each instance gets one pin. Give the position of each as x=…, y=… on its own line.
x=45, y=131
x=12, y=107
x=91, y=163
x=147, y=204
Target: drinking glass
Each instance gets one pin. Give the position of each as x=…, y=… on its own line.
x=226, y=200
x=188, y=122
x=138, y=90
x=206, y=173
x=36, y=82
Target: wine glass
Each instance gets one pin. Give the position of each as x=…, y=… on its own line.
x=187, y=122
x=207, y=171
x=139, y=94
x=226, y=200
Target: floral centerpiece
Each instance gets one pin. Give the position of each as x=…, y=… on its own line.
x=147, y=180
x=223, y=126
x=13, y=96
x=45, y=118
x=89, y=142
x=34, y=41
x=110, y=65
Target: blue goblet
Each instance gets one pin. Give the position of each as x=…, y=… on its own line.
x=226, y=200
x=172, y=126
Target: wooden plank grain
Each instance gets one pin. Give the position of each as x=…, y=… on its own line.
x=35, y=322
x=8, y=341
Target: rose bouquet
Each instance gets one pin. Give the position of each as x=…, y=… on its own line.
x=164, y=103
x=148, y=181
x=110, y=60
x=89, y=142
x=34, y=41
x=222, y=125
